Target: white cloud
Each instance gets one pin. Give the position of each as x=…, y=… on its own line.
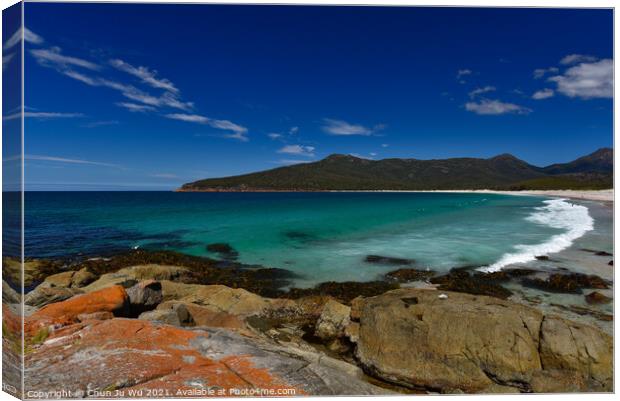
x=541, y=72
x=577, y=58
x=480, y=91
x=373, y=153
x=70, y=161
x=6, y=60
x=385, y=145
x=293, y=130
x=238, y=136
x=340, y=127
x=495, y=107
x=139, y=108
x=543, y=94
x=29, y=37
x=165, y=175
x=274, y=135
x=293, y=161
x=298, y=150
x=463, y=72
x=54, y=57
x=96, y=124
x=239, y=132
x=147, y=76
x=587, y=80
x=192, y=118
x=42, y=115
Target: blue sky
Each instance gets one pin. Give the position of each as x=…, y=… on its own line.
x=125, y=96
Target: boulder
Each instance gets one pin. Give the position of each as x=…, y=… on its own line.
x=113, y=299
x=138, y=355
x=82, y=317
x=219, y=298
x=62, y=280
x=578, y=348
x=467, y=343
x=333, y=321
x=596, y=297
x=9, y=295
x=43, y=295
x=82, y=278
x=464, y=342
x=175, y=314
x=129, y=276
x=144, y=296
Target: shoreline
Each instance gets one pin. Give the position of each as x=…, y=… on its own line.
x=603, y=195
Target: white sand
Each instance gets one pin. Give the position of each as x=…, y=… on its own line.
x=604, y=195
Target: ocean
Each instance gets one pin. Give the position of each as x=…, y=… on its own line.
x=319, y=236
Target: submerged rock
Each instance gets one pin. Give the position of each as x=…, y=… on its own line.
x=567, y=283
x=343, y=291
x=224, y=250
x=460, y=280
x=408, y=275
x=388, y=260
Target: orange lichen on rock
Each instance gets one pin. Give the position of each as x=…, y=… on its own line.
x=142, y=356
x=111, y=299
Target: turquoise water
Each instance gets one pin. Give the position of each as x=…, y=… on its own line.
x=321, y=236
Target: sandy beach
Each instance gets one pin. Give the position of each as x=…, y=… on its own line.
x=604, y=195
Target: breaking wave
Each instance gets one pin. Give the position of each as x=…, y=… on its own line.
x=557, y=213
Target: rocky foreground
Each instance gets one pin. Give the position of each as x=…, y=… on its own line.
x=152, y=330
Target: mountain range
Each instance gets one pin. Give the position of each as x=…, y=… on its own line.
x=347, y=172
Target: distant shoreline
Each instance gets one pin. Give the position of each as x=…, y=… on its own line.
x=604, y=195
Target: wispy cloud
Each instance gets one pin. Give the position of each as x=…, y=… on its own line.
x=147, y=76
x=543, y=94
x=6, y=60
x=298, y=150
x=135, y=108
x=480, y=91
x=239, y=132
x=541, y=72
x=96, y=124
x=587, y=80
x=577, y=58
x=274, y=135
x=165, y=175
x=293, y=130
x=495, y=107
x=70, y=161
x=340, y=127
x=29, y=37
x=385, y=145
x=42, y=115
x=54, y=57
x=463, y=72
x=293, y=161
x=192, y=118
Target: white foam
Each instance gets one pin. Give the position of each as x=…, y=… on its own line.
x=557, y=213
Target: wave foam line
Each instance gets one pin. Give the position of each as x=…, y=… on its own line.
x=557, y=213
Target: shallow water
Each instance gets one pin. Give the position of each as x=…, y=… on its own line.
x=320, y=236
